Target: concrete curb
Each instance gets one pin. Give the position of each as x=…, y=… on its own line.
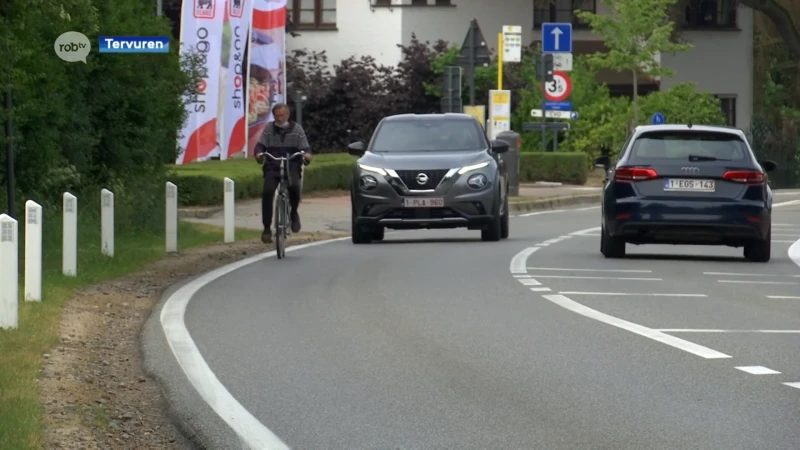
x=554, y=202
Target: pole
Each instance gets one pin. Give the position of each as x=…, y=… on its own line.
x=500, y=61
x=472, y=66
x=9, y=154
x=544, y=112
x=159, y=7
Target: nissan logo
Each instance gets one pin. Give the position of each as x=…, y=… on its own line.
x=422, y=179
x=690, y=169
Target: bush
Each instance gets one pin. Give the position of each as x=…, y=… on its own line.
x=567, y=168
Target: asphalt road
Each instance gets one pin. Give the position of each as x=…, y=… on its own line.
x=445, y=341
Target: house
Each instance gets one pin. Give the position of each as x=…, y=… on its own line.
x=721, y=31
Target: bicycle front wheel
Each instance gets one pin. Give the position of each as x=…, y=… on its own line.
x=280, y=226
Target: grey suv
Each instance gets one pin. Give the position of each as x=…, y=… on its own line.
x=429, y=171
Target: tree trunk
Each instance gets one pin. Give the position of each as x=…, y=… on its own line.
x=635, y=98
x=779, y=16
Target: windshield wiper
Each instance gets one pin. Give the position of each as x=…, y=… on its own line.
x=705, y=158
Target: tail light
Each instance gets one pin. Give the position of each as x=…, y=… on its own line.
x=629, y=174
x=748, y=177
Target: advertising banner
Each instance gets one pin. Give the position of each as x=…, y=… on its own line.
x=201, y=31
x=234, y=125
x=267, y=62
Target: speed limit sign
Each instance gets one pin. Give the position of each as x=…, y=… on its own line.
x=559, y=89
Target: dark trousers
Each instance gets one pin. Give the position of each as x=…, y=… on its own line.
x=271, y=180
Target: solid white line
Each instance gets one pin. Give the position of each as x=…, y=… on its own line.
x=519, y=260
x=794, y=235
x=529, y=282
x=552, y=241
x=567, y=269
x=587, y=235
x=784, y=297
x=736, y=274
x=756, y=282
x=252, y=432
x=794, y=385
x=784, y=225
x=781, y=242
x=757, y=370
x=793, y=202
x=695, y=330
x=630, y=294
x=597, y=278
x=553, y=211
x=540, y=289
x=650, y=333
x=542, y=244
x=582, y=232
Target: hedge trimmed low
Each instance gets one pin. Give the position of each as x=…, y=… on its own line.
x=200, y=184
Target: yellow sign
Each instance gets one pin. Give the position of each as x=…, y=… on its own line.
x=500, y=98
x=478, y=112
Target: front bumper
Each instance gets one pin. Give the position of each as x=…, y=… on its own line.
x=463, y=206
x=682, y=222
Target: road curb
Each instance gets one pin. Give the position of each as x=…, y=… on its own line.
x=553, y=203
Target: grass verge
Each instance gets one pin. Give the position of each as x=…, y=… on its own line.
x=21, y=351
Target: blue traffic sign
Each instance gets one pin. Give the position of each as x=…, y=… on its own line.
x=573, y=115
x=558, y=106
x=557, y=37
x=658, y=119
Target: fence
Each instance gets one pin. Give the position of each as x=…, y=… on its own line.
x=32, y=276
x=779, y=142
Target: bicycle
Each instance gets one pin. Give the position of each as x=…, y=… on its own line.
x=283, y=217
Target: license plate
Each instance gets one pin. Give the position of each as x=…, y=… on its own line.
x=423, y=202
x=689, y=185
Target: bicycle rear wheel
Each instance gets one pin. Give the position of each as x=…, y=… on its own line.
x=280, y=225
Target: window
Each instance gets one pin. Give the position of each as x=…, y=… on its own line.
x=420, y=135
x=561, y=11
x=311, y=14
x=728, y=104
x=707, y=13
x=682, y=144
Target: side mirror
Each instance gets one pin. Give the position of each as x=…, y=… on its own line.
x=768, y=165
x=356, y=148
x=602, y=161
x=500, y=146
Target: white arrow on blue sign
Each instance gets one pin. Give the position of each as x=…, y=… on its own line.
x=658, y=118
x=557, y=37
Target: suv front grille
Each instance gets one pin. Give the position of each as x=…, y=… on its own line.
x=422, y=213
x=409, y=177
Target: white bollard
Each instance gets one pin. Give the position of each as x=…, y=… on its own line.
x=172, y=218
x=230, y=212
x=9, y=272
x=33, y=251
x=69, y=258
x=107, y=222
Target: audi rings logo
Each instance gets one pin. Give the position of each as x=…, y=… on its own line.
x=422, y=179
x=690, y=169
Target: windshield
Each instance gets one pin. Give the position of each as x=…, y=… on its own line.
x=685, y=144
x=420, y=135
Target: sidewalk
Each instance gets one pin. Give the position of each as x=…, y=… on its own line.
x=326, y=214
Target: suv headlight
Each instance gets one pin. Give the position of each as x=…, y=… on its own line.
x=377, y=170
x=368, y=182
x=466, y=169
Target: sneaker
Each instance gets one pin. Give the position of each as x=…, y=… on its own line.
x=266, y=237
x=295, y=223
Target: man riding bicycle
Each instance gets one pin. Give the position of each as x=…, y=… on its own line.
x=281, y=138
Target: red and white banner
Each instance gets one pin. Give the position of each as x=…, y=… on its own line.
x=201, y=30
x=234, y=133
x=267, y=61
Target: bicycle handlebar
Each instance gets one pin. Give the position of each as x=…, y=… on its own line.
x=281, y=158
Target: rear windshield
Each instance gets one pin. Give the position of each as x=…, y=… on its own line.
x=682, y=144
x=421, y=135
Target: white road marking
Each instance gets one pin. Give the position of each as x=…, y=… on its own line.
x=758, y=370
x=587, y=235
x=781, y=242
x=567, y=269
x=542, y=244
x=583, y=232
x=552, y=241
x=792, y=202
x=250, y=431
x=521, y=276
x=794, y=252
x=597, y=278
x=529, y=282
x=621, y=294
x=518, y=261
x=784, y=297
x=794, y=235
x=649, y=333
x=794, y=385
x=553, y=211
x=736, y=274
x=757, y=282
x=540, y=289
x=700, y=330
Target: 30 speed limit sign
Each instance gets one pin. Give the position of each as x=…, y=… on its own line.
x=559, y=89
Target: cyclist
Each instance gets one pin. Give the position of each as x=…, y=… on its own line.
x=281, y=138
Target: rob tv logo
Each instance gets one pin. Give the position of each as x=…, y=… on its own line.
x=73, y=46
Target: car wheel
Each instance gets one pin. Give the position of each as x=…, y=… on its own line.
x=359, y=236
x=759, y=251
x=611, y=247
x=504, y=231
x=493, y=231
x=378, y=234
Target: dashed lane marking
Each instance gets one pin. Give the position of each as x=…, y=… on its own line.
x=785, y=283
x=757, y=370
x=629, y=294
x=567, y=269
x=540, y=289
x=783, y=297
x=575, y=277
x=521, y=276
x=736, y=274
x=793, y=384
x=529, y=282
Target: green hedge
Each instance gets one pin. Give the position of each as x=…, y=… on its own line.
x=201, y=183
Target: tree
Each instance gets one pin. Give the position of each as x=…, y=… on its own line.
x=782, y=19
x=634, y=32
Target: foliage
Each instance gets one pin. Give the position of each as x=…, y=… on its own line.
x=682, y=103
x=635, y=32
x=567, y=168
